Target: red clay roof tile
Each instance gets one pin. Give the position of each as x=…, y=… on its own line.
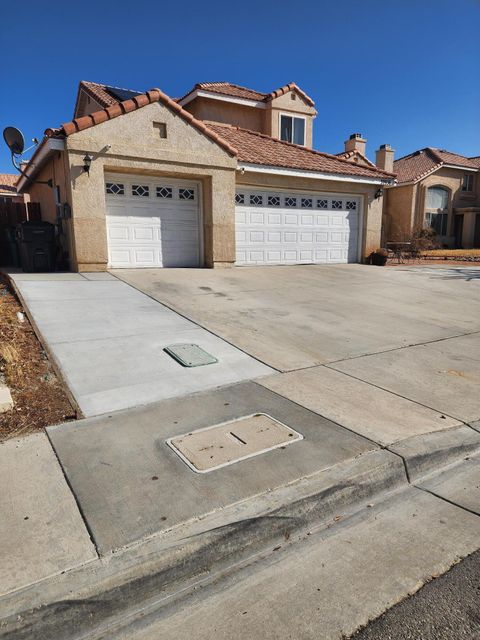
x=257, y=148
x=420, y=163
x=118, y=109
x=8, y=182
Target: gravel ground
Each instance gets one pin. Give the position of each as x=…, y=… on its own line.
x=38, y=395
x=447, y=608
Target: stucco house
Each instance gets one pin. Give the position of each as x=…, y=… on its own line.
x=8, y=188
x=223, y=175
x=435, y=188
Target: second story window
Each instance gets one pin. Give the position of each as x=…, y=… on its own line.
x=467, y=182
x=292, y=129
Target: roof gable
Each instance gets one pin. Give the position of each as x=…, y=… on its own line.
x=127, y=106
x=243, y=93
x=421, y=163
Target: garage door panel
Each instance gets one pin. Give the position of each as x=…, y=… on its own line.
x=151, y=223
x=302, y=236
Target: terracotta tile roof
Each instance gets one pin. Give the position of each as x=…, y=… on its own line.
x=126, y=106
x=291, y=86
x=257, y=148
x=234, y=90
x=8, y=182
x=98, y=92
x=355, y=156
x=228, y=89
x=419, y=164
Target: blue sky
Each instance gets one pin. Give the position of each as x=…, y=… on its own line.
x=404, y=72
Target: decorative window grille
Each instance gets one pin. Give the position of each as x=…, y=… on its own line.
x=336, y=204
x=307, y=203
x=273, y=201
x=115, y=188
x=351, y=205
x=290, y=202
x=256, y=199
x=164, y=192
x=240, y=198
x=140, y=190
x=322, y=204
x=186, y=194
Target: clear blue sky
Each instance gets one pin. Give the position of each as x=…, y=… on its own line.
x=406, y=72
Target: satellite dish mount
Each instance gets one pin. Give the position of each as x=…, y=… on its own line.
x=16, y=143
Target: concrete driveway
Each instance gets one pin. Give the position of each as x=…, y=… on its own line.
x=388, y=353
x=108, y=341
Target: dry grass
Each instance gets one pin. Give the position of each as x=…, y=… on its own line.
x=38, y=395
x=451, y=253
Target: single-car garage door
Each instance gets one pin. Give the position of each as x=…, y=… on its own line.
x=275, y=227
x=152, y=222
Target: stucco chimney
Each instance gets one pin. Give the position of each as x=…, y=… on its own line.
x=384, y=157
x=356, y=143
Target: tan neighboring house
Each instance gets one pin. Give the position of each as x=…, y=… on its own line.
x=224, y=175
x=438, y=189
x=8, y=188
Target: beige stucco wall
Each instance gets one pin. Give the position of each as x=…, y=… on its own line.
x=266, y=120
x=405, y=205
x=285, y=104
x=228, y=112
x=399, y=204
x=136, y=147
x=57, y=170
x=372, y=208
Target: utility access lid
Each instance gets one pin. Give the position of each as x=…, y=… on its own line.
x=190, y=355
x=222, y=444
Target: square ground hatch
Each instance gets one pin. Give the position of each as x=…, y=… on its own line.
x=222, y=444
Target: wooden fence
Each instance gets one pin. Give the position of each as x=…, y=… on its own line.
x=11, y=214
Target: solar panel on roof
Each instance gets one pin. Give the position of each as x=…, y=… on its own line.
x=122, y=94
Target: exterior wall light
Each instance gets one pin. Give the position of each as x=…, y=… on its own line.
x=378, y=193
x=87, y=161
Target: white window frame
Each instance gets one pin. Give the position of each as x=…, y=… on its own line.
x=291, y=115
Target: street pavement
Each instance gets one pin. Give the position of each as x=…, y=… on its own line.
x=447, y=608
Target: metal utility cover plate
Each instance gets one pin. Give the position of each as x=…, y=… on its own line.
x=190, y=355
x=222, y=444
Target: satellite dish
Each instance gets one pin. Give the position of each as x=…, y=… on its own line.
x=14, y=139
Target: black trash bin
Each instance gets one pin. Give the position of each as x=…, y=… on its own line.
x=36, y=245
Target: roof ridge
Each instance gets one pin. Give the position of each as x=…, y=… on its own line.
x=299, y=146
x=231, y=84
x=285, y=89
x=108, y=86
x=132, y=104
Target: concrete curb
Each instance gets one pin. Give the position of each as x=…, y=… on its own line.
x=84, y=601
x=431, y=452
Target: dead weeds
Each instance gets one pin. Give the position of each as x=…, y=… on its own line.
x=38, y=395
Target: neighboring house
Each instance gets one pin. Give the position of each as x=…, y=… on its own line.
x=8, y=188
x=224, y=175
x=438, y=189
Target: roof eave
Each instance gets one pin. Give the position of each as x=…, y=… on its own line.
x=319, y=175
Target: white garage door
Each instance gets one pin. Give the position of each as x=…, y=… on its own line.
x=152, y=222
x=295, y=228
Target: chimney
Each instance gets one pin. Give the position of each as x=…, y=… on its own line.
x=356, y=143
x=384, y=157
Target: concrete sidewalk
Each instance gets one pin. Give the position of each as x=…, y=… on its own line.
x=108, y=339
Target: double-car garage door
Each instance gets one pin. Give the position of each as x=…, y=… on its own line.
x=157, y=223
x=295, y=228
